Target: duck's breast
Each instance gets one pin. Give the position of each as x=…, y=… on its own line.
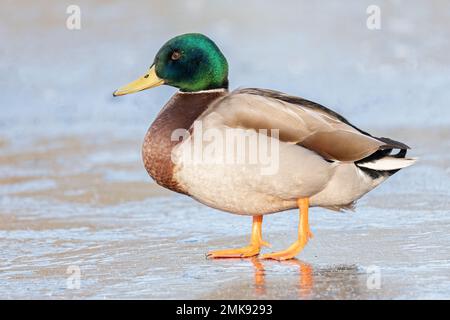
x=180, y=112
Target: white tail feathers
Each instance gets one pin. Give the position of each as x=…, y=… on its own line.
x=388, y=163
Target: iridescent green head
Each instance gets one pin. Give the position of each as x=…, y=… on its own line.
x=191, y=62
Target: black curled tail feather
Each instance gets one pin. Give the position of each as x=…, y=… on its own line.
x=385, y=152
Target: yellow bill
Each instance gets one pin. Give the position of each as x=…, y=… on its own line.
x=148, y=81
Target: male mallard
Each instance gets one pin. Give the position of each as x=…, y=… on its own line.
x=322, y=159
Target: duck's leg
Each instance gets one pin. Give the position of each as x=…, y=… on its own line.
x=304, y=234
x=251, y=250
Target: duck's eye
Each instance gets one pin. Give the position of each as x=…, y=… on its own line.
x=176, y=55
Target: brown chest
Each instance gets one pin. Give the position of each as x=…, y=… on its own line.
x=179, y=113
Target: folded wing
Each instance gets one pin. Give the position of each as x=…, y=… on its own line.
x=299, y=121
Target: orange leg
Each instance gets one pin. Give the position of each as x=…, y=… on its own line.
x=251, y=250
x=304, y=234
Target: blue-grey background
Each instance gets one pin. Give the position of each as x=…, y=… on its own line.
x=73, y=190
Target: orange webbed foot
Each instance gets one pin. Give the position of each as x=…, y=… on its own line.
x=304, y=234
x=244, y=252
x=287, y=254
x=251, y=250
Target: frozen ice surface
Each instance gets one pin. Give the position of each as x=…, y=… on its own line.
x=73, y=191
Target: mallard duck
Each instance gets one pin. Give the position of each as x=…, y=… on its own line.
x=321, y=158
